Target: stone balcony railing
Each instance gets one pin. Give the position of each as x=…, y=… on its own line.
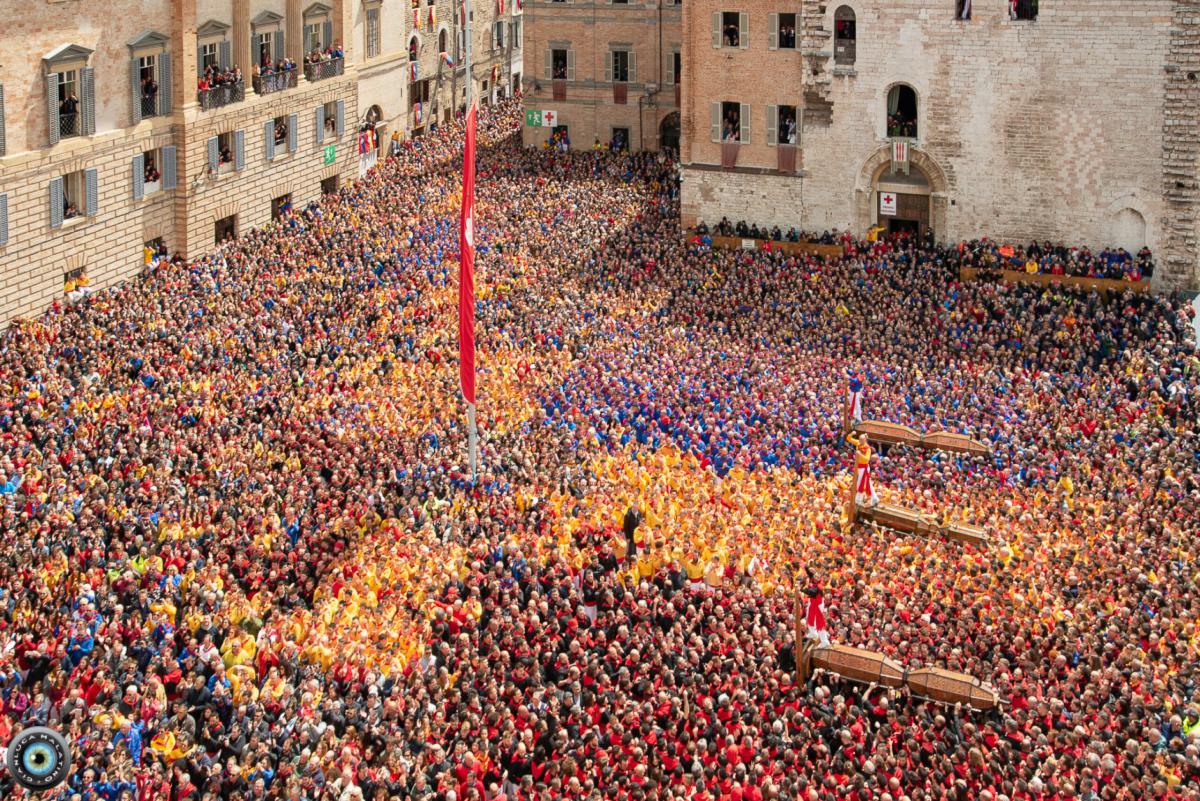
x=320, y=70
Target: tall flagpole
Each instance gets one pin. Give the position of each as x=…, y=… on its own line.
x=467, y=265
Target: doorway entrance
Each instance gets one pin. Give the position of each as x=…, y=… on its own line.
x=902, y=202
x=668, y=132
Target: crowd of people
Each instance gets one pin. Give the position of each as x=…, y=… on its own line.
x=244, y=557
x=1046, y=258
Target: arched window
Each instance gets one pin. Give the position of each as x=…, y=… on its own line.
x=412, y=48
x=442, y=41
x=902, y=111
x=844, y=36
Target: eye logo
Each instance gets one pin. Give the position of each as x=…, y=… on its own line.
x=39, y=758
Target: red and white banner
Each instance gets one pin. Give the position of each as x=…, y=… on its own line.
x=466, y=266
x=887, y=204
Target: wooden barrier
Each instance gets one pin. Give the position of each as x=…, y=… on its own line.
x=1091, y=284
x=887, y=433
x=745, y=243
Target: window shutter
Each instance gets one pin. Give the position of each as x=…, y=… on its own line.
x=715, y=134
x=269, y=140
x=56, y=202
x=744, y=121
x=549, y=65
x=170, y=167
x=320, y=125
x=772, y=31
x=608, y=66
x=716, y=28
x=280, y=52
x=239, y=150
x=3, y=219
x=225, y=55
x=772, y=124
x=570, y=65
x=164, y=83
x=52, y=108
x=743, y=30
x=87, y=79
x=341, y=117
x=214, y=154
x=327, y=33
x=293, y=132
x=2, y=148
x=200, y=60
x=139, y=176
x=92, y=190
x=669, y=68
x=632, y=67
x=135, y=92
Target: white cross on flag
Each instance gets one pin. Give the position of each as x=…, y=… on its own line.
x=887, y=203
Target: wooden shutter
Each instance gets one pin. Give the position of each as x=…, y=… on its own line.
x=139, y=176
x=715, y=134
x=744, y=122
x=772, y=31
x=327, y=33
x=200, y=60
x=632, y=67
x=170, y=167
x=3, y=219
x=293, y=132
x=214, y=154
x=135, y=92
x=743, y=30
x=2, y=146
x=280, y=52
x=164, y=84
x=225, y=55
x=87, y=101
x=239, y=150
x=320, y=125
x=716, y=29
x=52, y=108
x=549, y=64
x=570, y=65
x=92, y=190
x=669, y=68
x=772, y=125
x=608, y=66
x=269, y=140
x=341, y=117
x=56, y=202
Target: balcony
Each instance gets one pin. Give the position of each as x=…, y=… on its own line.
x=275, y=82
x=223, y=95
x=68, y=123
x=329, y=68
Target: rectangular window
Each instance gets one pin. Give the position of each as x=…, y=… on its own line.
x=265, y=44
x=281, y=206
x=731, y=31
x=148, y=78
x=372, y=32
x=225, y=150
x=330, y=116
x=516, y=34
x=312, y=37
x=558, y=61
x=620, y=139
x=209, y=57
x=1023, y=9
x=678, y=66
x=962, y=10
x=329, y=186
x=74, y=201
x=787, y=31
x=225, y=229
x=620, y=66
x=731, y=122
x=69, y=123
x=786, y=134
x=152, y=164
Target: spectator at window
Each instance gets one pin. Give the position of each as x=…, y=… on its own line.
x=226, y=156
x=152, y=175
x=731, y=35
x=68, y=113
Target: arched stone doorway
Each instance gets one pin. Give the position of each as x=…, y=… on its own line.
x=919, y=197
x=668, y=132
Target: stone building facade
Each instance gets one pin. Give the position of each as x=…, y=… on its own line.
x=607, y=70
x=108, y=142
x=1078, y=121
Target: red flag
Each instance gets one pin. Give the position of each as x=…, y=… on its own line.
x=466, y=267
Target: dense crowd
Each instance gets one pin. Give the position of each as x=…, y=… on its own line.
x=243, y=558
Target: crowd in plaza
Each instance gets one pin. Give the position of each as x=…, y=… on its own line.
x=242, y=557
